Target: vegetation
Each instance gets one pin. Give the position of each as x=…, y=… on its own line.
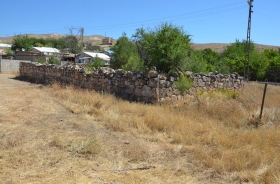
x=40, y=60
x=53, y=60
x=8, y=52
x=96, y=63
x=125, y=51
x=65, y=135
x=183, y=84
x=166, y=47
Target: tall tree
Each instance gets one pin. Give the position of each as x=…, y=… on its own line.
x=234, y=56
x=124, y=51
x=21, y=42
x=272, y=57
x=166, y=47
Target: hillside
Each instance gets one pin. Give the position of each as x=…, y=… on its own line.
x=97, y=40
x=219, y=47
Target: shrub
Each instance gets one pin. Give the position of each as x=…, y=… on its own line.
x=229, y=93
x=53, y=60
x=183, y=84
x=96, y=63
x=40, y=60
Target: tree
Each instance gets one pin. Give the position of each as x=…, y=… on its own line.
x=196, y=62
x=72, y=43
x=234, y=56
x=258, y=66
x=21, y=42
x=166, y=47
x=124, y=51
x=212, y=59
x=272, y=57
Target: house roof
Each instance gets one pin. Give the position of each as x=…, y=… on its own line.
x=4, y=45
x=99, y=55
x=47, y=49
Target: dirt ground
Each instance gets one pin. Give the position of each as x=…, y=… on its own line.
x=41, y=141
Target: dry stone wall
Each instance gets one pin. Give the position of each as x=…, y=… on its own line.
x=148, y=87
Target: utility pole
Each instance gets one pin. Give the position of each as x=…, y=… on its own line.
x=248, y=42
x=82, y=37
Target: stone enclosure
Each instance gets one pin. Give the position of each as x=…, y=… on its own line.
x=148, y=87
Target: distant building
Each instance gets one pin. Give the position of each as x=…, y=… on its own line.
x=46, y=51
x=87, y=57
x=4, y=46
x=107, y=41
x=38, y=52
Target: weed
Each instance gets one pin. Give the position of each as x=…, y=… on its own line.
x=183, y=84
x=89, y=146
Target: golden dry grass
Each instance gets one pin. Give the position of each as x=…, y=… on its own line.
x=66, y=135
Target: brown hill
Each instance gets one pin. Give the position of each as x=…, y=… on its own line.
x=219, y=47
x=97, y=40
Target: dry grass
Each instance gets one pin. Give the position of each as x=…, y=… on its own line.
x=81, y=136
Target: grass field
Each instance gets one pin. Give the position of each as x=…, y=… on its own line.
x=50, y=134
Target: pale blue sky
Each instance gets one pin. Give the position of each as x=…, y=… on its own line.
x=208, y=21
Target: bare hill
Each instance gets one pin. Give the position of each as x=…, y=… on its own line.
x=97, y=40
x=219, y=47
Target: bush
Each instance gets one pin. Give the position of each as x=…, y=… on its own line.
x=8, y=51
x=183, y=84
x=40, y=60
x=229, y=93
x=96, y=63
x=53, y=60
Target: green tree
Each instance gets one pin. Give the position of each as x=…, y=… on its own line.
x=234, y=56
x=72, y=43
x=273, y=58
x=133, y=64
x=21, y=42
x=196, y=62
x=258, y=66
x=212, y=59
x=124, y=51
x=166, y=47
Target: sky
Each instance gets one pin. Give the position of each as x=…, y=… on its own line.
x=207, y=21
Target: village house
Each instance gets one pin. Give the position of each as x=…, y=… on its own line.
x=87, y=57
x=107, y=41
x=38, y=52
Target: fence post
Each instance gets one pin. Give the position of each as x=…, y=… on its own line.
x=264, y=92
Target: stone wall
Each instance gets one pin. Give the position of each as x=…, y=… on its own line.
x=149, y=87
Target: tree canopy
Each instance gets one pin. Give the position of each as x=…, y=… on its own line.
x=166, y=47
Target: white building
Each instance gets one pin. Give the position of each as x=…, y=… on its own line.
x=87, y=57
x=46, y=50
x=4, y=46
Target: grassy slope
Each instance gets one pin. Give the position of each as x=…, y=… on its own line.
x=59, y=135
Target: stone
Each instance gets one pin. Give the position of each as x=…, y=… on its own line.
x=147, y=91
x=152, y=74
x=138, y=92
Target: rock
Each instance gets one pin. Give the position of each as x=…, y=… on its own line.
x=147, y=91
x=152, y=74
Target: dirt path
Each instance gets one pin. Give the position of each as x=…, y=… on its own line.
x=41, y=141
